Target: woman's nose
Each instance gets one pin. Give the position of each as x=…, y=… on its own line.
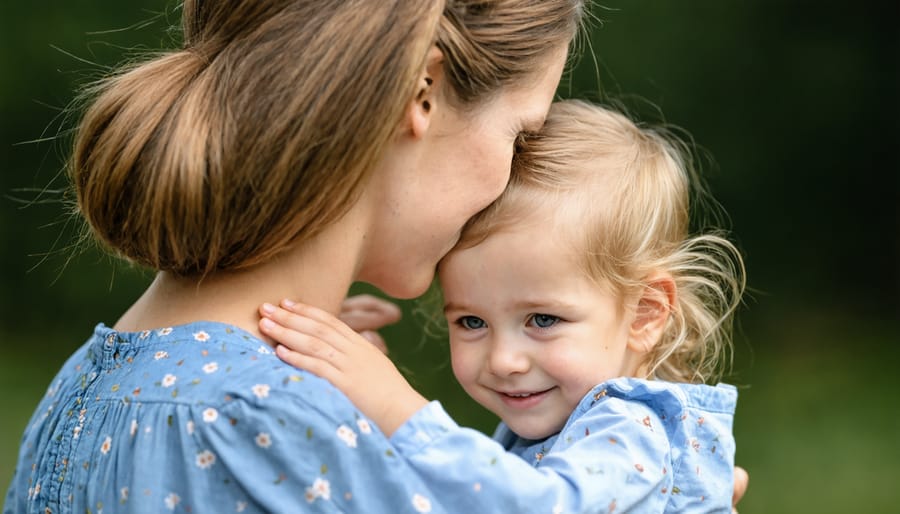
x=507, y=358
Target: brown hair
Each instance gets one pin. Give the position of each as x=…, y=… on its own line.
x=622, y=192
x=261, y=130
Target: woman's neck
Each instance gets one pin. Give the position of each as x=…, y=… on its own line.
x=318, y=272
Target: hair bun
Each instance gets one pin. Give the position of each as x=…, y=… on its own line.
x=134, y=146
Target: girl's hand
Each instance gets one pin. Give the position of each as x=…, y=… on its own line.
x=366, y=313
x=316, y=341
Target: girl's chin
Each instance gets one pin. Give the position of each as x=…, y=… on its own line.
x=531, y=433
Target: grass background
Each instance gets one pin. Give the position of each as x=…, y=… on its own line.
x=797, y=101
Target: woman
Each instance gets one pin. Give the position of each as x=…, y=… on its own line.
x=288, y=150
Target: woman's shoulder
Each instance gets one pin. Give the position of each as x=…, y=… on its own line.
x=219, y=417
x=203, y=365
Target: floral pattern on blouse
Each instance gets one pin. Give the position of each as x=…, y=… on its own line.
x=202, y=418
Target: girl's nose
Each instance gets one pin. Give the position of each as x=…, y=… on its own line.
x=507, y=358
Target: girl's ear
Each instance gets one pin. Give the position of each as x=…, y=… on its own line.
x=422, y=107
x=654, y=306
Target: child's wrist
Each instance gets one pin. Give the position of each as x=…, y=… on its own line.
x=400, y=411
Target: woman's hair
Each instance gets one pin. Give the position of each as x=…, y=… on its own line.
x=262, y=129
x=621, y=193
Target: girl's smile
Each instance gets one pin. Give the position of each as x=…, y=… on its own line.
x=524, y=400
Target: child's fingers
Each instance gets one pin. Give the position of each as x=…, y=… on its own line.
x=324, y=318
x=369, y=302
x=368, y=312
x=376, y=340
x=335, y=333
x=365, y=314
x=318, y=367
x=367, y=320
x=298, y=341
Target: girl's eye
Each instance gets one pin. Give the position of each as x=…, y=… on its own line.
x=544, y=320
x=471, y=322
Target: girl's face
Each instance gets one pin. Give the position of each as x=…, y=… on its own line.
x=461, y=166
x=530, y=335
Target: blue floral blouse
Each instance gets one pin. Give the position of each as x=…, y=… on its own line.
x=202, y=418
x=630, y=446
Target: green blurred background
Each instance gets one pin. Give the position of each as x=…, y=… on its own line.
x=797, y=102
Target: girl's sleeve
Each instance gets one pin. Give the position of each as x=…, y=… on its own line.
x=282, y=454
x=614, y=458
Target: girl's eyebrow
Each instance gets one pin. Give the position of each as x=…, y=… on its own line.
x=552, y=304
x=525, y=304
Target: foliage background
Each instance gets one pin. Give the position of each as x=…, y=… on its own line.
x=797, y=101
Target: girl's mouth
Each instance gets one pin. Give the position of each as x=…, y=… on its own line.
x=523, y=400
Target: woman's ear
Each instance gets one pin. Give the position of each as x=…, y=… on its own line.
x=421, y=109
x=656, y=303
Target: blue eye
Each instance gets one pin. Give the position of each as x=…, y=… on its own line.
x=471, y=322
x=544, y=320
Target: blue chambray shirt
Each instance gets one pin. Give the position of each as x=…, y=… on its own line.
x=630, y=446
x=202, y=418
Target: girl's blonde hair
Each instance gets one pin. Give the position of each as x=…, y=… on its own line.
x=263, y=128
x=623, y=193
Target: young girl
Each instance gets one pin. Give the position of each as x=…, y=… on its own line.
x=583, y=314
